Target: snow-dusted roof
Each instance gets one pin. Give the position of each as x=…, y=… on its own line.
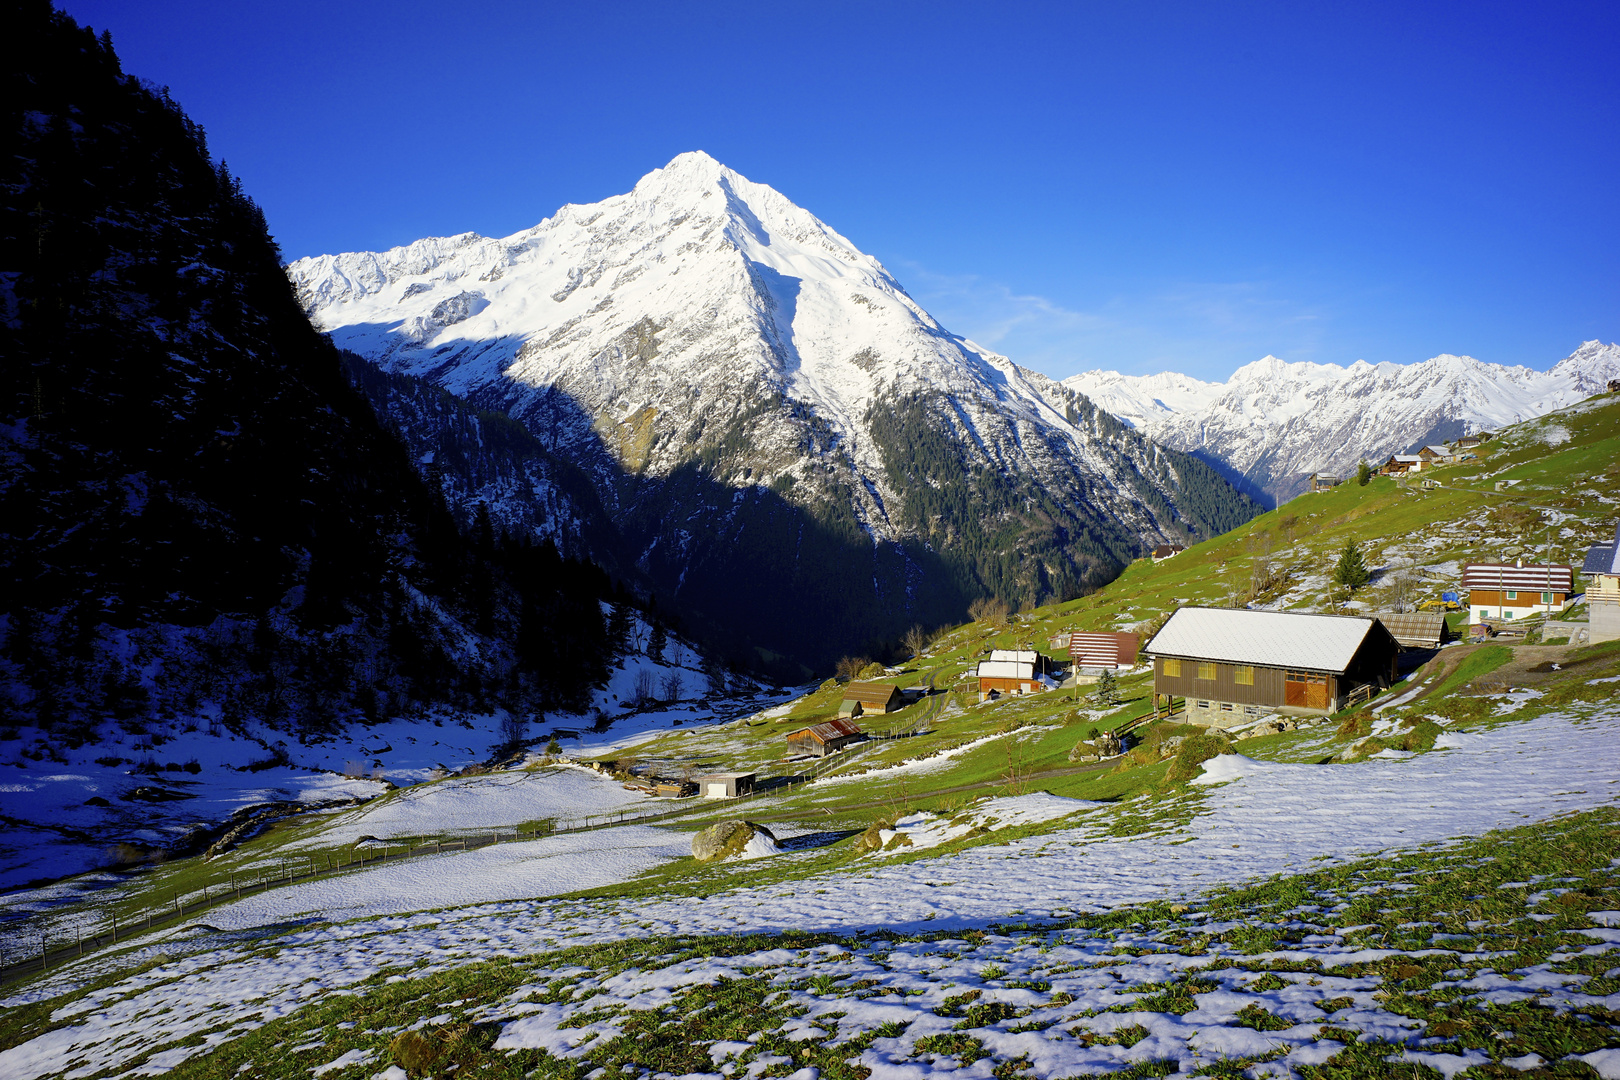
x=1268, y=638
x=1005, y=669
x=1022, y=656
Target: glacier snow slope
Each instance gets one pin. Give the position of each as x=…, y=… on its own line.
x=1275, y=423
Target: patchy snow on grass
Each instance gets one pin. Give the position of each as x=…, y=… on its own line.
x=1261, y=820
x=475, y=804
x=925, y=830
x=508, y=871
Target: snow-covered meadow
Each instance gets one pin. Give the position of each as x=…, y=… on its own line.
x=1255, y=819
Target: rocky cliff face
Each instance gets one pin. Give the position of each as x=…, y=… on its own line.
x=785, y=440
x=1273, y=423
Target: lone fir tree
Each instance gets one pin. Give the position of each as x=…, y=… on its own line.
x=1351, y=571
x=1363, y=473
x=1107, y=688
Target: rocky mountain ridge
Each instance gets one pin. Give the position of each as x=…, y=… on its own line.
x=756, y=399
x=1274, y=423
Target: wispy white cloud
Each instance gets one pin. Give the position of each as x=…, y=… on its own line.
x=1198, y=328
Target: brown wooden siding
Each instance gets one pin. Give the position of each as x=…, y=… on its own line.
x=1007, y=686
x=1267, y=688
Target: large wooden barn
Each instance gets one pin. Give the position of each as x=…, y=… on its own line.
x=1234, y=666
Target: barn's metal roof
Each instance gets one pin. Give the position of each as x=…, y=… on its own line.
x=1604, y=558
x=832, y=729
x=1103, y=649
x=870, y=693
x=1414, y=627
x=1005, y=669
x=1268, y=638
x=1540, y=577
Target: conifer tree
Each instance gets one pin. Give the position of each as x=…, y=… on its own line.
x=1363, y=473
x=1351, y=571
x=1107, y=689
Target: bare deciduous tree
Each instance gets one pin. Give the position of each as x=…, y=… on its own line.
x=915, y=640
x=645, y=686
x=850, y=666
x=991, y=610
x=671, y=686
x=513, y=729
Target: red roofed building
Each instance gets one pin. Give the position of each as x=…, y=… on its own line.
x=1512, y=590
x=1097, y=651
x=819, y=740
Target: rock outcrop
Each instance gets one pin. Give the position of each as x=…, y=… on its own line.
x=728, y=839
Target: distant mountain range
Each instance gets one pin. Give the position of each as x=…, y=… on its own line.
x=792, y=453
x=1272, y=423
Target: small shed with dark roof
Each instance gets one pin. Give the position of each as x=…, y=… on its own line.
x=1415, y=629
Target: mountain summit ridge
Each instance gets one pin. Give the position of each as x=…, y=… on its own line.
x=1275, y=422
x=703, y=333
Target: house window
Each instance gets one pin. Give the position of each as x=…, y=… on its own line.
x=1172, y=668
x=1203, y=705
x=1207, y=672
x=1512, y=594
x=1546, y=598
x=1506, y=614
x=1226, y=706
x=1243, y=676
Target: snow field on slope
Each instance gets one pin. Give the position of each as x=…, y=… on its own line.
x=1275, y=820
x=474, y=804
x=501, y=872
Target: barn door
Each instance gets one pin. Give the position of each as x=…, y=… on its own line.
x=1294, y=689
x=1303, y=691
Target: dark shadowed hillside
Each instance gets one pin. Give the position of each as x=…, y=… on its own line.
x=196, y=508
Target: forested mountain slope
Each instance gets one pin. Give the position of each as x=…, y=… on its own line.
x=198, y=514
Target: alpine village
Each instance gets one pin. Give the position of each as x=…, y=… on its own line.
x=648, y=646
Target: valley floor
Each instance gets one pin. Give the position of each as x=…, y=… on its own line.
x=892, y=962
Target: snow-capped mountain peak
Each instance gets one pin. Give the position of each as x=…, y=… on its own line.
x=1274, y=422
x=703, y=330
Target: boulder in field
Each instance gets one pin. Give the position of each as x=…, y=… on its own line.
x=730, y=838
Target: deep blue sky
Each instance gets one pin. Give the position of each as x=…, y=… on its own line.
x=1142, y=186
